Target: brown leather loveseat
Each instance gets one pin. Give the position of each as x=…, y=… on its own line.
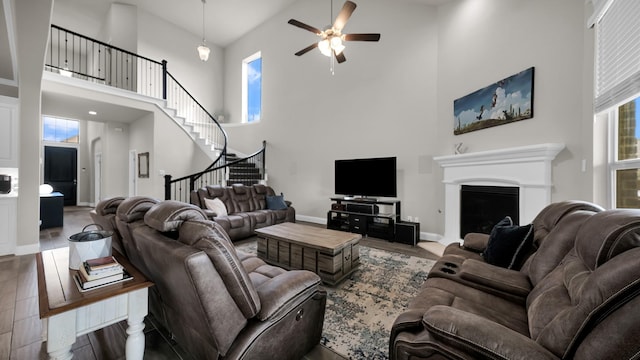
x=243, y=208
x=578, y=303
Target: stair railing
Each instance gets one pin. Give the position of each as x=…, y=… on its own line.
x=78, y=56
x=180, y=189
x=74, y=55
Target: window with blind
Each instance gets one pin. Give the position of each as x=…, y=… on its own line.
x=617, y=54
x=617, y=94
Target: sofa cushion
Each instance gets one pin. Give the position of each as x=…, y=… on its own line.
x=203, y=235
x=134, y=208
x=109, y=206
x=170, y=214
x=216, y=205
x=276, y=202
x=617, y=227
x=508, y=244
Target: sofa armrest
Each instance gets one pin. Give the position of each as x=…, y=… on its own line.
x=495, y=277
x=476, y=242
x=280, y=291
x=480, y=337
x=210, y=213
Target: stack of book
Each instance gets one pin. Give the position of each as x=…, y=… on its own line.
x=100, y=272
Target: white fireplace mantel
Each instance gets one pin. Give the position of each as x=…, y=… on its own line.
x=527, y=167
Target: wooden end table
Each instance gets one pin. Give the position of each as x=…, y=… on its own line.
x=69, y=313
x=329, y=253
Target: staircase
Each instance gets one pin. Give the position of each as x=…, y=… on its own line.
x=74, y=55
x=242, y=171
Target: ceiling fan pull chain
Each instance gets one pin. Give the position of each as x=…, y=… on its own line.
x=332, y=68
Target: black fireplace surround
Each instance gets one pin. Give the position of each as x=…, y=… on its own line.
x=481, y=207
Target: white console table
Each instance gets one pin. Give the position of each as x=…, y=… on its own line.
x=69, y=313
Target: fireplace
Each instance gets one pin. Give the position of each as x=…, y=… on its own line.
x=481, y=207
x=527, y=168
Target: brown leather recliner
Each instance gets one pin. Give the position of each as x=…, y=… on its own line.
x=586, y=307
x=104, y=214
x=475, y=243
x=554, y=233
x=219, y=306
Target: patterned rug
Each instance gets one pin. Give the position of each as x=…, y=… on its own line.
x=361, y=309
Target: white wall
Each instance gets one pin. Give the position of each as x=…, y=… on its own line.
x=175, y=153
x=395, y=97
x=160, y=40
x=380, y=102
x=141, y=142
x=481, y=42
x=115, y=156
x=170, y=150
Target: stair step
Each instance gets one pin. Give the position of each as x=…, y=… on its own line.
x=243, y=167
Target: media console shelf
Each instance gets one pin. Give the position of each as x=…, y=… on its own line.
x=368, y=217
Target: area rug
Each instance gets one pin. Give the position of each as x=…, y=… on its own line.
x=361, y=309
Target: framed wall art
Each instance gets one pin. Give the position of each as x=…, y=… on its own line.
x=143, y=165
x=503, y=102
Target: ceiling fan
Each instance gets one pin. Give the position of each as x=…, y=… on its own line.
x=332, y=38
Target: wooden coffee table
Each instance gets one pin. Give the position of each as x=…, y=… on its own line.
x=329, y=253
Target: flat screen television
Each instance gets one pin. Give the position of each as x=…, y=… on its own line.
x=366, y=177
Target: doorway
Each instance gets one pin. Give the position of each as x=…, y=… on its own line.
x=61, y=171
x=133, y=167
x=97, y=171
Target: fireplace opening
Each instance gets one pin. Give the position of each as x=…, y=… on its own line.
x=481, y=207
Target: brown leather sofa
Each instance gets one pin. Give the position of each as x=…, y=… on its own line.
x=216, y=302
x=246, y=208
x=580, y=303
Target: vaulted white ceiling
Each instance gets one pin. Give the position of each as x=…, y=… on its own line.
x=226, y=20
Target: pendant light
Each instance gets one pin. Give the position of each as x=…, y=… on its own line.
x=203, y=50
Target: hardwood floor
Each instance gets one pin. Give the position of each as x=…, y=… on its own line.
x=21, y=327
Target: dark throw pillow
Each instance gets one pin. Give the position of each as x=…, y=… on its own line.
x=508, y=244
x=276, y=202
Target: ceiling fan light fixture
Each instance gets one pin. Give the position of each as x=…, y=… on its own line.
x=331, y=43
x=336, y=44
x=325, y=47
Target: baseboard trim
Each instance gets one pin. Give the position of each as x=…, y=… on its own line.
x=312, y=219
x=27, y=249
x=426, y=236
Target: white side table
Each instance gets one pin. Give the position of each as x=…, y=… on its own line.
x=69, y=313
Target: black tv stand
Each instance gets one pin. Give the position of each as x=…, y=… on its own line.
x=363, y=216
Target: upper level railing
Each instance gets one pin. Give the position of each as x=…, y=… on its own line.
x=75, y=55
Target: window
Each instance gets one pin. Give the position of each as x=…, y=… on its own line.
x=60, y=130
x=617, y=101
x=252, y=88
x=625, y=167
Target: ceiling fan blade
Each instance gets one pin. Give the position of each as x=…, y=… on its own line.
x=302, y=25
x=344, y=15
x=361, y=37
x=340, y=57
x=307, y=49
